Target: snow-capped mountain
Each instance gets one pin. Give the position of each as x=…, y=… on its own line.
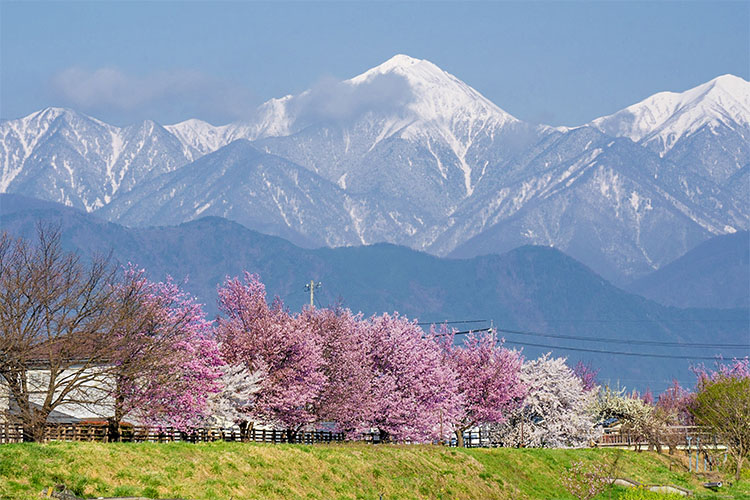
x=59, y=155
x=407, y=153
x=666, y=117
x=261, y=191
x=710, y=121
x=428, y=123
x=609, y=200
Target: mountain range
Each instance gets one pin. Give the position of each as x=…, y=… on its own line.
x=716, y=273
x=408, y=154
x=538, y=295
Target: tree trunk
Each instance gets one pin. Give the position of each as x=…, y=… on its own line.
x=34, y=431
x=113, y=430
x=738, y=472
x=291, y=435
x=28, y=432
x=114, y=435
x=460, y=438
x=384, y=436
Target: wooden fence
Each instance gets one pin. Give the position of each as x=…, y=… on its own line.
x=677, y=434
x=13, y=433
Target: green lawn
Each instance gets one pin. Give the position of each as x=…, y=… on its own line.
x=351, y=471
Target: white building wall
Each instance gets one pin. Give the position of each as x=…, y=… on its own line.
x=92, y=401
x=4, y=400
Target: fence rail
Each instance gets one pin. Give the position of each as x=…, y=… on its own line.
x=13, y=433
x=671, y=435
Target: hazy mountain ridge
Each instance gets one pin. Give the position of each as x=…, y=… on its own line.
x=407, y=153
x=716, y=273
x=530, y=288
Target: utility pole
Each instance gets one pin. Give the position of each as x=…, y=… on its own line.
x=311, y=288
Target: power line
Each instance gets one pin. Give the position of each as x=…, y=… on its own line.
x=453, y=322
x=657, y=320
x=581, y=349
x=625, y=341
x=611, y=340
x=465, y=332
x=619, y=353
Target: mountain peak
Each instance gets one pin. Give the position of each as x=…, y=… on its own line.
x=731, y=83
x=400, y=61
x=438, y=94
x=667, y=116
x=50, y=113
x=409, y=67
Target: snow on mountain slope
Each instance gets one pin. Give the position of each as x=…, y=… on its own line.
x=262, y=192
x=198, y=137
x=21, y=137
x=705, y=130
x=59, y=155
x=439, y=99
x=444, y=108
x=618, y=207
x=417, y=133
x=666, y=117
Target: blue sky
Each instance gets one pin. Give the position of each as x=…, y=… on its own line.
x=561, y=63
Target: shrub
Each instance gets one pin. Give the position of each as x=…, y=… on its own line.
x=584, y=481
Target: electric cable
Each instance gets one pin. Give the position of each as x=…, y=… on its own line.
x=624, y=341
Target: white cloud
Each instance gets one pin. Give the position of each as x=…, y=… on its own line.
x=331, y=99
x=169, y=93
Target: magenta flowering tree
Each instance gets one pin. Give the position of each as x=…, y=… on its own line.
x=648, y=397
x=414, y=390
x=675, y=401
x=286, y=348
x=489, y=383
x=736, y=369
x=167, y=363
x=673, y=408
x=587, y=374
x=349, y=399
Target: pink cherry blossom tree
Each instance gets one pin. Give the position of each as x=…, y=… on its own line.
x=349, y=396
x=673, y=409
x=489, y=384
x=166, y=363
x=736, y=369
x=587, y=374
x=286, y=347
x=414, y=391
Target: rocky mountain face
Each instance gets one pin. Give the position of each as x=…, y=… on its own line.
x=407, y=153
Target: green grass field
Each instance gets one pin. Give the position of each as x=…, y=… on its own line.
x=343, y=471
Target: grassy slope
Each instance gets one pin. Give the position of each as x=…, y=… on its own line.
x=237, y=470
